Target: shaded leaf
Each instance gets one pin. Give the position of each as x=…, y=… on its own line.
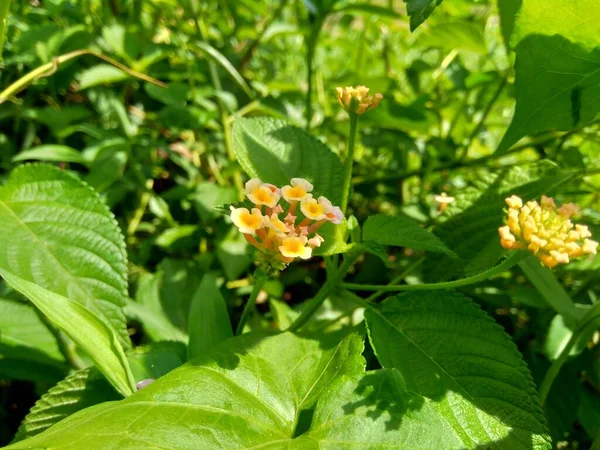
x=99, y=75
x=51, y=152
x=419, y=11
x=450, y=351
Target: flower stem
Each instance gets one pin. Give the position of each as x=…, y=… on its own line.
x=348, y=163
x=332, y=283
x=261, y=278
x=310, y=56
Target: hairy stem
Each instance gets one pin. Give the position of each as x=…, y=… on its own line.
x=349, y=162
x=249, y=307
x=505, y=265
x=332, y=283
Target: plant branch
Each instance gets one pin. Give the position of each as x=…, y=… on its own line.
x=332, y=283
x=502, y=267
x=349, y=162
x=259, y=282
x=310, y=55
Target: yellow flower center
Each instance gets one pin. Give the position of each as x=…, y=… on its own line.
x=251, y=220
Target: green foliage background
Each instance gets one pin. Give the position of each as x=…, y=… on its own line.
x=116, y=266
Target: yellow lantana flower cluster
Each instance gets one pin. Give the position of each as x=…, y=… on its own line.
x=357, y=99
x=546, y=231
x=280, y=241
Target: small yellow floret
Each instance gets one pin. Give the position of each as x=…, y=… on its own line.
x=276, y=224
x=312, y=209
x=357, y=99
x=295, y=247
x=261, y=193
x=298, y=191
x=246, y=221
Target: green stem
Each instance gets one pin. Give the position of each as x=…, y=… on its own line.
x=259, y=282
x=590, y=320
x=4, y=10
x=502, y=267
x=332, y=283
x=51, y=67
x=349, y=162
x=397, y=279
x=310, y=56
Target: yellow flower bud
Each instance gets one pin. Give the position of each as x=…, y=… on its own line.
x=357, y=100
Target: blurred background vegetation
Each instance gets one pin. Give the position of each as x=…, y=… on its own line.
x=161, y=157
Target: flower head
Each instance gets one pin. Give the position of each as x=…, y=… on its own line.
x=298, y=190
x=546, y=231
x=272, y=228
x=443, y=201
x=261, y=193
x=246, y=221
x=357, y=99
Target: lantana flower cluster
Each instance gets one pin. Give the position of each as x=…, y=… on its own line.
x=357, y=99
x=546, y=230
x=284, y=231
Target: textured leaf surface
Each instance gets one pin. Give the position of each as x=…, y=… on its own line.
x=419, y=10
x=209, y=320
x=557, y=67
x=275, y=151
x=246, y=393
x=78, y=391
x=455, y=36
x=58, y=234
x=86, y=329
x=402, y=232
x=471, y=226
x=451, y=352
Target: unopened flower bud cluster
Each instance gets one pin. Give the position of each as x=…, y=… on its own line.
x=283, y=231
x=546, y=231
x=357, y=99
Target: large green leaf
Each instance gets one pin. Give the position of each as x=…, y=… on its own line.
x=209, y=321
x=451, y=352
x=86, y=329
x=557, y=67
x=463, y=35
x=472, y=221
x=58, y=234
x=402, y=232
x=52, y=152
x=419, y=11
x=247, y=392
x=275, y=151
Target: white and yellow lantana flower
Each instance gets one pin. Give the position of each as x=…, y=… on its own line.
x=278, y=232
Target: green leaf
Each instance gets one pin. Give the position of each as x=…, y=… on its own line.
x=100, y=74
x=419, y=11
x=557, y=69
x=367, y=9
x=59, y=235
x=209, y=196
x=508, y=10
x=455, y=35
x=249, y=391
x=401, y=231
x=551, y=290
x=174, y=94
x=208, y=321
x=275, y=151
x=471, y=223
x=451, y=352
x=220, y=59
x=28, y=350
x=88, y=331
x=232, y=254
x=156, y=326
x=51, y=152
x=78, y=391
